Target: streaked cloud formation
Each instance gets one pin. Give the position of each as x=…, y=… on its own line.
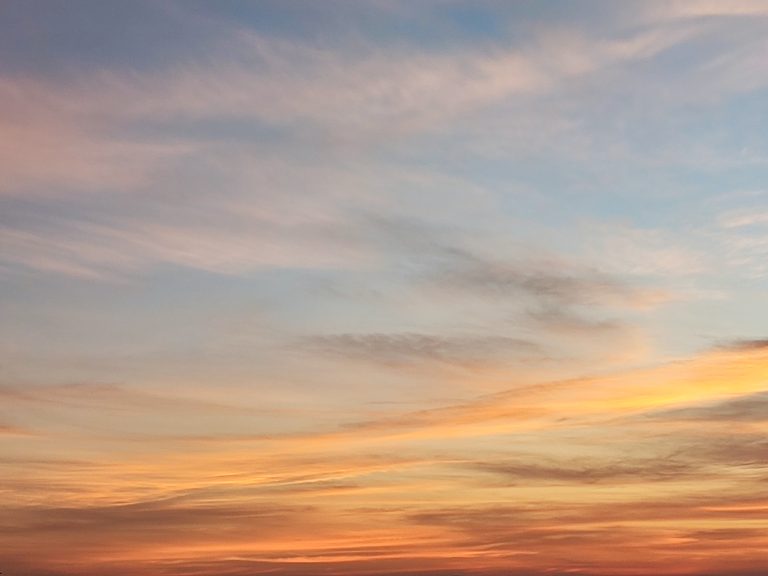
x=383, y=287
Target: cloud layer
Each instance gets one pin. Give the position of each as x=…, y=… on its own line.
x=434, y=288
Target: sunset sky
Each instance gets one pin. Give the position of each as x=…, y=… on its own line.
x=383, y=287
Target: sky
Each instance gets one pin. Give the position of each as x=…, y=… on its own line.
x=383, y=287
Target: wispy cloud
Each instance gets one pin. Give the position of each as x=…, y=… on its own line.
x=11, y=430
x=570, y=473
x=412, y=348
x=324, y=489
x=291, y=289
x=750, y=408
x=547, y=281
x=712, y=8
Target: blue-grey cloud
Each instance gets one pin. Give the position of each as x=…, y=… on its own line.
x=412, y=348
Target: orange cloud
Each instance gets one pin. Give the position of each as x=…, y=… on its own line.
x=512, y=483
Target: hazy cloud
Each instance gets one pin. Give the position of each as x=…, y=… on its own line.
x=746, y=345
x=413, y=348
x=621, y=472
x=556, y=283
x=404, y=288
x=750, y=408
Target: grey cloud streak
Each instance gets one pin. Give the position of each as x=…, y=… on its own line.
x=565, y=286
x=585, y=472
x=745, y=409
x=408, y=348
